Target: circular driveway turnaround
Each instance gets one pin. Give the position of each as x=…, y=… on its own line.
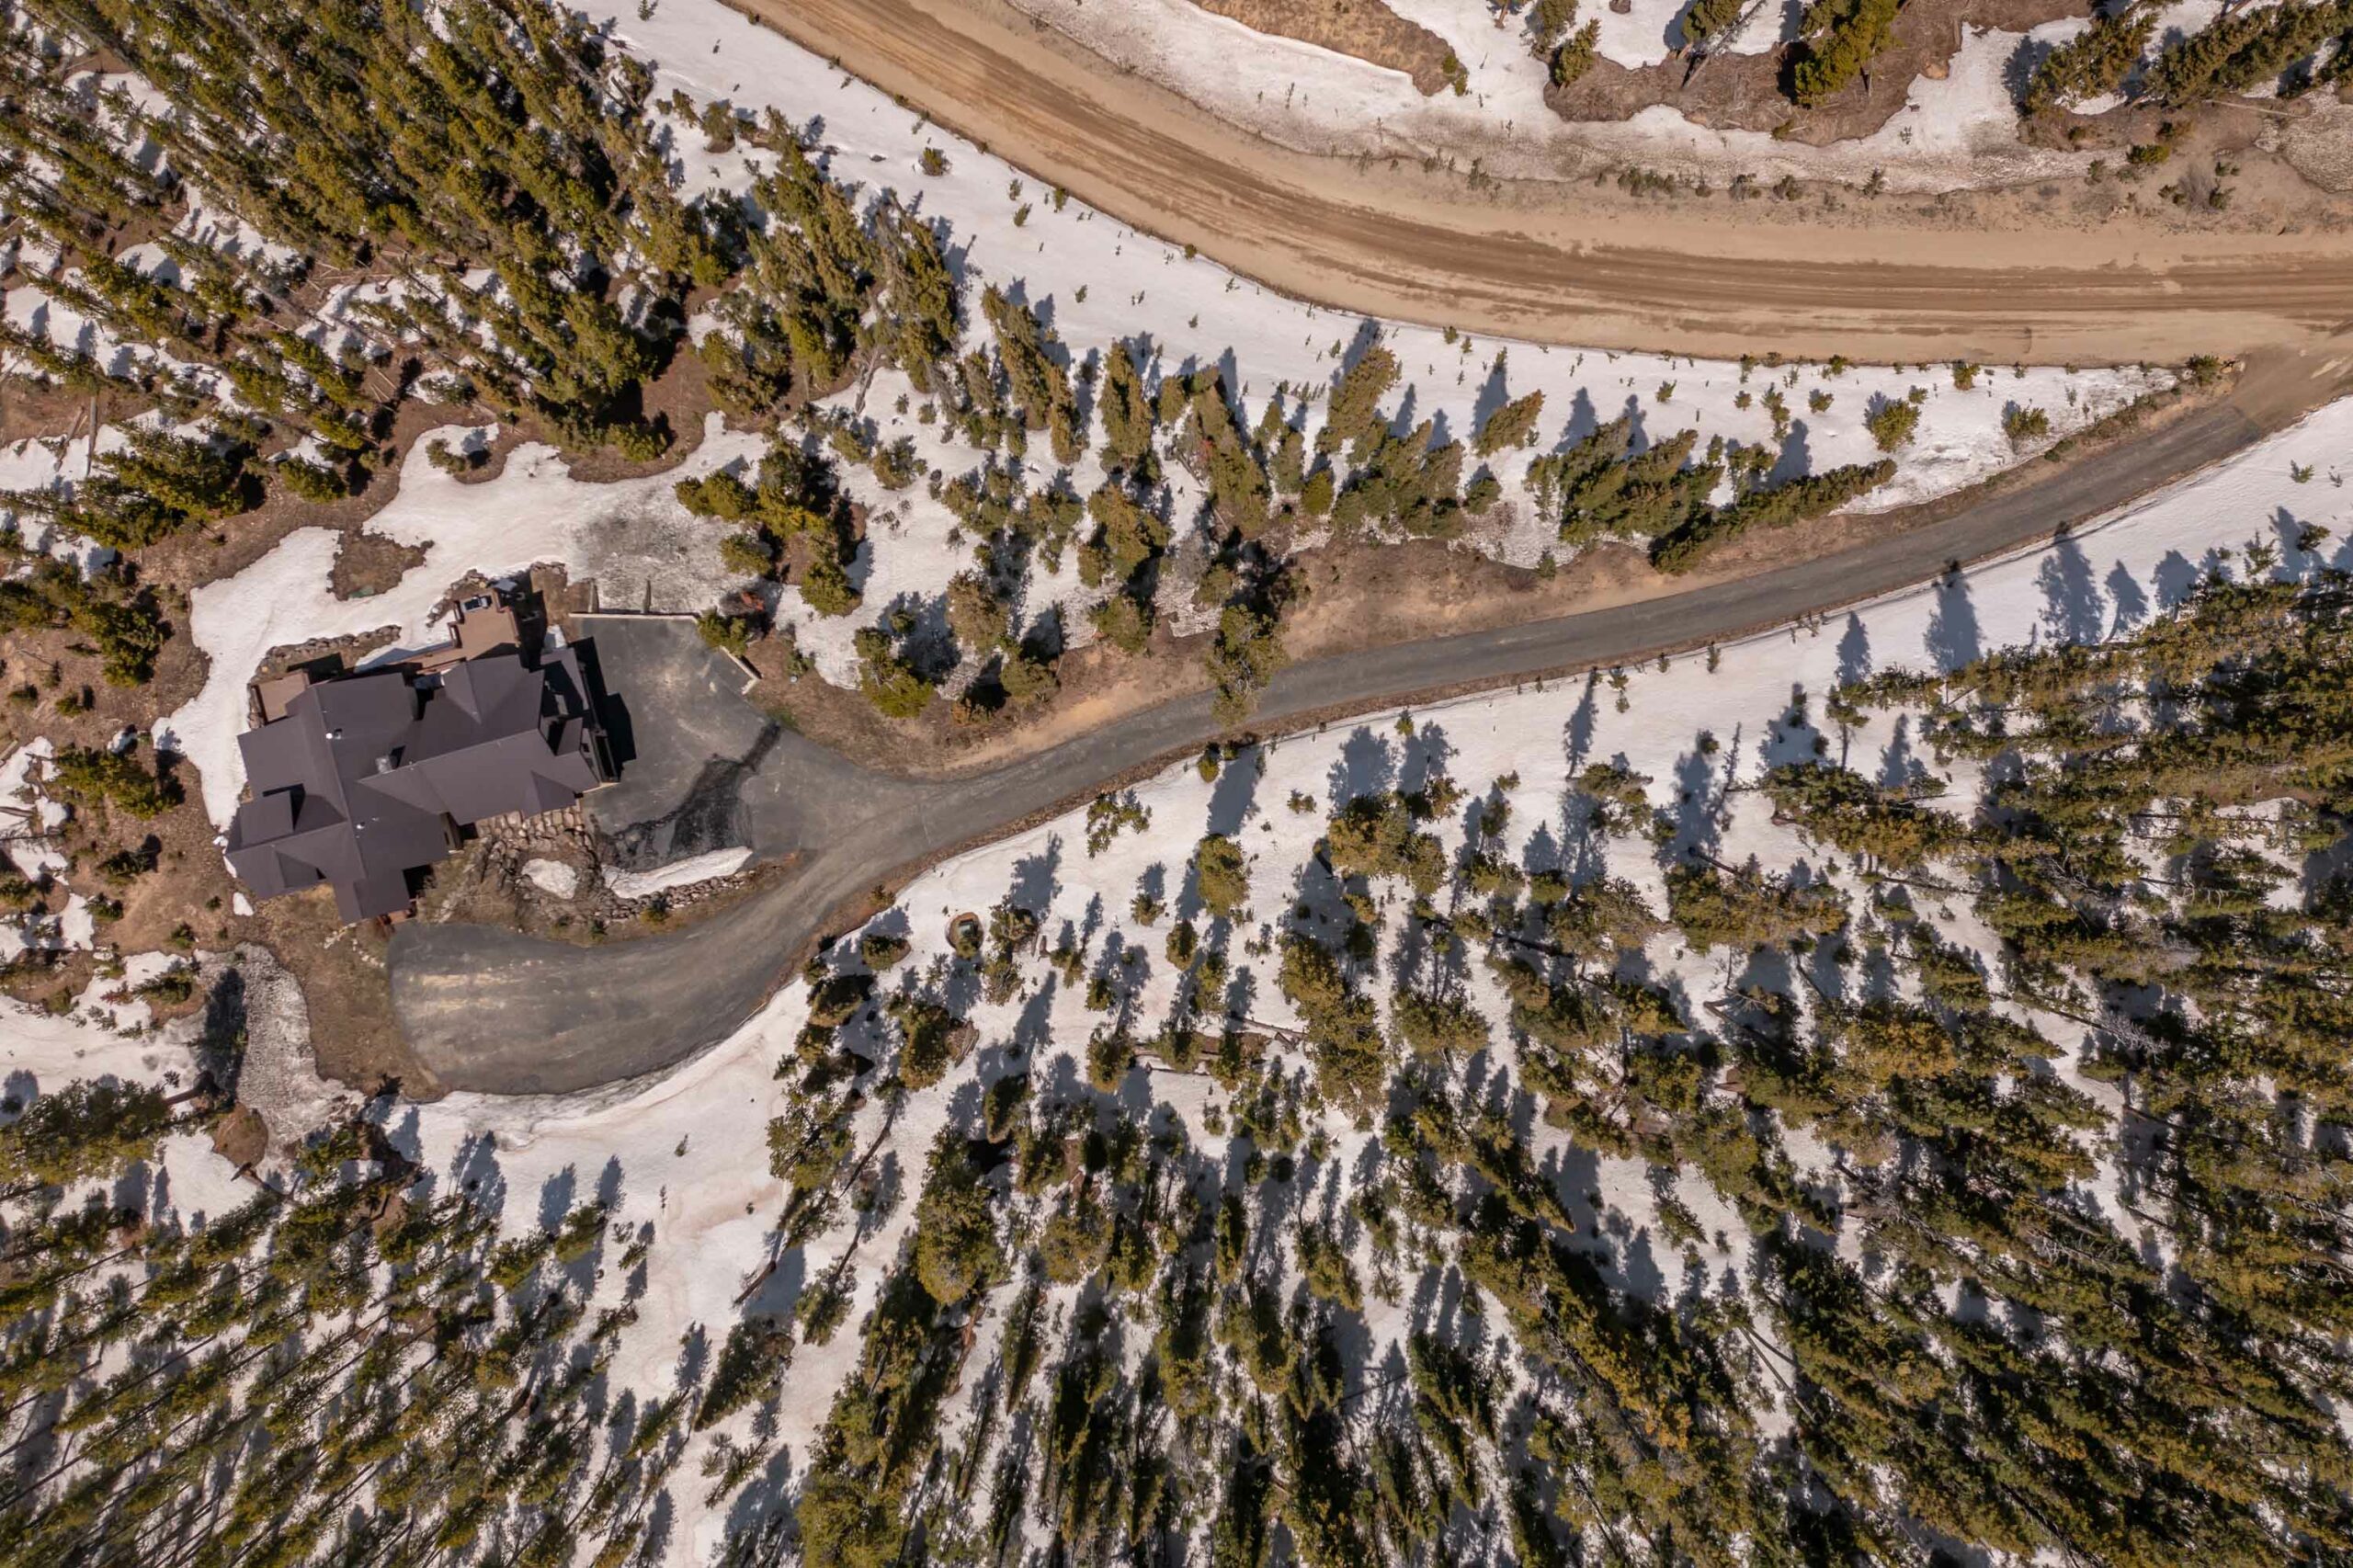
x=494, y=1011
x=1544, y=262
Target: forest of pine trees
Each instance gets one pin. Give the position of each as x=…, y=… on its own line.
x=346, y=1369
x=1984, y=1307
x=1960, y=1302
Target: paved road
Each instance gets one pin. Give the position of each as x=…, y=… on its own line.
x=1556, y=261
x=497, y=1011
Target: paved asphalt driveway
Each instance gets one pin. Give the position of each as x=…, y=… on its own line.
x=491, y=1010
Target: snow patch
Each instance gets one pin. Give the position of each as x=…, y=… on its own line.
x=552, y=876
x=705, y=867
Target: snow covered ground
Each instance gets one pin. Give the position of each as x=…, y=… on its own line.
x=1099, y=283
x=1955, y=132
x=686, y=1154
x=553, y=878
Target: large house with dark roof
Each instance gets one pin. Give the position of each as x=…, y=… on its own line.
x=364, y=781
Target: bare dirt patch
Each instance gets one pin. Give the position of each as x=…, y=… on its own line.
x=1744, y=92
x=369, y=564
x=341, y=971
x=1364, y=28
x=47, y=410
x=678, y=399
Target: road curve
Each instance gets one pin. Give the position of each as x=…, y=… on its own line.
x=1556, y=263
x=497, y=1011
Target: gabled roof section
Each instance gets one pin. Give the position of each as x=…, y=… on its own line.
x=366, y=779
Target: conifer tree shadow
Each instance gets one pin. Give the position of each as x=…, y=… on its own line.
x=1583, y=422
x=2175, y=579
x=1034, y=881
x=2073, y=610
x=474, y=1171
x=1367, y=336
x=555, y=1198
x=1952, y=639
x=1637, y=1270
x=2131, y=604
x=1791, y=738
x=1427, y=751
x=1795, y=459
x=1899, y=765
x=2023, y=62
x=779, y=1292
x=1696, y=814
x=221, y=1042
x=1235, y=790
x=1033, y=1028
x=761, y=1514
x=1573, y=1172
x=1822, y=965
x=17, y=1090
x=694, y=1357
x=1494, y=393
x=661, y=1524
x=1436, y=1295
x=1366, y=766
x=1854, y=651
x=1577, y=734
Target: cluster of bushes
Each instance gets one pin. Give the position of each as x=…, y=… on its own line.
x=795, y=497
x=119, y=621
x=1839, y=38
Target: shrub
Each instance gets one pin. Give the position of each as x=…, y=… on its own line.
x=1841, y=36
x=1709, y=19
x=878, y=950
x=1575, y=58
x=314, y=482
x=747, y=554
x=730, y=634
x=1548, y=24
x=1222, y=875
x=1123, y=621
x=2092, y=63
x=91, y=776
x=826, y=585
x=2023, y=424
x=1513, y=425
x=1893, y=424
x=1242, y=660
x=893, y=686
x=956, y=1249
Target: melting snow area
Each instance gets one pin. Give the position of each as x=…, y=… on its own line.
x=704, y=868
x=1953, y=133
x=1074, y=266
x=552, y=876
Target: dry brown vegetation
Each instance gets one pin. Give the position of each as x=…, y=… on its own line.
x=1364, y=28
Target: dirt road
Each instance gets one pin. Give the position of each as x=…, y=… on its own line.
x=1558, y=263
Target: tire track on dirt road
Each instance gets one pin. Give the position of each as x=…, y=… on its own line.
x=1549, y=262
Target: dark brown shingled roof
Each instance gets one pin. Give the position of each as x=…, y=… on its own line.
x=366, y=779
